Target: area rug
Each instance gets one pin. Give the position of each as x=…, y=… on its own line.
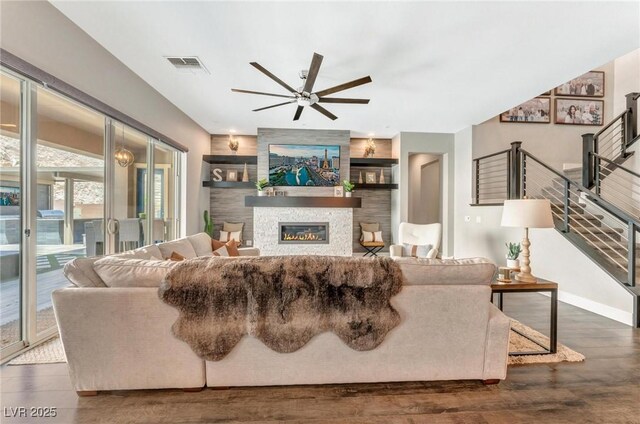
x=49, y=352
x=517, y=343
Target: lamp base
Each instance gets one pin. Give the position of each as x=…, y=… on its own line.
x=525, y=278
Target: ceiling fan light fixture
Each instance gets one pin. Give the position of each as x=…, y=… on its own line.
x=302, y=101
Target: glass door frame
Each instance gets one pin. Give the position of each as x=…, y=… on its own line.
x=28, y=179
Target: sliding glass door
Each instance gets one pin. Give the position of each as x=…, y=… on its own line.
x=69, y=213
x=11, y=201
x=73, y=183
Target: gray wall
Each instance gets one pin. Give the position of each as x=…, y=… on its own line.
x=432, y=143
x=556, y=144
x=39, y=34
x=227, y=205
x=424, y=198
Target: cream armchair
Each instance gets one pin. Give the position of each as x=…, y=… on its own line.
x=418, y=235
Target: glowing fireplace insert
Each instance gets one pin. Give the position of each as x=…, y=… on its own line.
x=303, y=232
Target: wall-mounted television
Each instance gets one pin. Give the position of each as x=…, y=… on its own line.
x=300, y=165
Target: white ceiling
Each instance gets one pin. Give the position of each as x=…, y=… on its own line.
x=436, y=66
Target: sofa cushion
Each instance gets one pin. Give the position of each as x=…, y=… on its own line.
x=81, y=274
x=182, y=246
x=201, y=243
x=119, y=272
x=418, y=271
x=146, y=252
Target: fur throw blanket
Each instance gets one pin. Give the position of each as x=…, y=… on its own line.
x=282, y=301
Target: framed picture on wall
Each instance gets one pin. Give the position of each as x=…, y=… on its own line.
x=534, y=111
x=590, y=84
x=579, y=111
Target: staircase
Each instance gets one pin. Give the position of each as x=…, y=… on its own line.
x=596, y=207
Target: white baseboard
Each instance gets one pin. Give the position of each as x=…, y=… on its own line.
x=595, y=307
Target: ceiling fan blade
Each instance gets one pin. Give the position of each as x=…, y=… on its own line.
x=269, y=107
x=345, y=86
x=324, y=111
x=298, y=113
x=316, y=61
x=273, y=77
x=237, y=90
x=336, y=100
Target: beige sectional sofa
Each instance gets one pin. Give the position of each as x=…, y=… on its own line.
x=118, y=336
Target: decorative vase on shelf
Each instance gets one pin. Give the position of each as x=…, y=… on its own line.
x=513, y=263
x=245, y=174
x=261, y=193
x=381, y=176
x=347, y=194
x=360, y=178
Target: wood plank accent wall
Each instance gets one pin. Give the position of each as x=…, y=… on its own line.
x=383, y=147
x=267, y=136
x=376, y=207
x=247, y=144
x=228, y=204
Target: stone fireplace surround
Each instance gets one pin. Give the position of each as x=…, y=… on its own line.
x=266, y=233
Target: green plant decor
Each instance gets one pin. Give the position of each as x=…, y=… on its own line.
x=514, y=250
x=348, y=186
x=208, y=223
x=261, y=184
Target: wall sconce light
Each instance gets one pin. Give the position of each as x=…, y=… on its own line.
x=370, y=148
x=233, y=144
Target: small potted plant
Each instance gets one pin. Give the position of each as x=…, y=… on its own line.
x=514, y=250
x=260, y=185
x=348, y=187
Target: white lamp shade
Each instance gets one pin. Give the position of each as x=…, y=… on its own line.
x=527, y=213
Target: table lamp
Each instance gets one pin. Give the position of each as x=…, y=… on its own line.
x=527, y=213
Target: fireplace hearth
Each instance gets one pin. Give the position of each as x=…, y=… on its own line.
x=303, y=232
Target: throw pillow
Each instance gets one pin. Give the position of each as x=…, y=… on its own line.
x=377, y=236
x=367, y=236
x=416, y=251
x=232, y=226
x=226, y=236
x=369, y=227
x=175, y=256
x=221, y=251
x=229, y=248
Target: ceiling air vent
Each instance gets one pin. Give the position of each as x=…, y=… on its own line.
x=190, y=64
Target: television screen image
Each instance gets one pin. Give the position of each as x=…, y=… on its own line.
x=304, y=165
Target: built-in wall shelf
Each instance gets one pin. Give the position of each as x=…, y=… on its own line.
x=302, y=202
x=228, y=184
x=230, y=159
x=373, y=162
x=375, y=186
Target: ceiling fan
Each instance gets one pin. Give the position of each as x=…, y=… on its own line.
x=305, y=96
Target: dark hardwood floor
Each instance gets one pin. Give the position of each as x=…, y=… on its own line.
x=603, y=389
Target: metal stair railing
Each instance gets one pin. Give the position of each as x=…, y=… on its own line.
x=575, y=206
x=491, y=178
x=612, y=142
